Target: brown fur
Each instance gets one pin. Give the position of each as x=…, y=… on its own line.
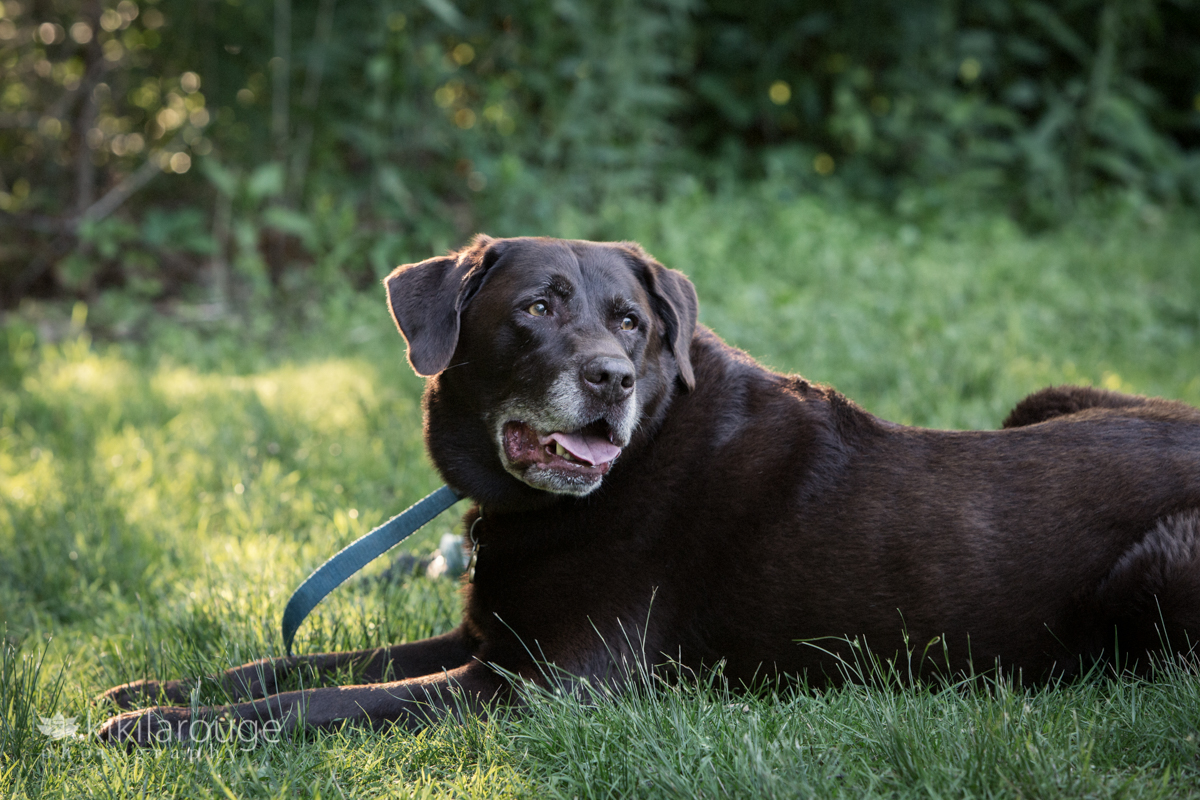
x=750, y=515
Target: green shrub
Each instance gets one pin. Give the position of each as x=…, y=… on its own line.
x=307, y=145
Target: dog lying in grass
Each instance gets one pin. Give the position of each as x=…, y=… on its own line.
x=644, y=493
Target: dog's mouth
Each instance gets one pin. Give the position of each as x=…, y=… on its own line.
x=587, y=452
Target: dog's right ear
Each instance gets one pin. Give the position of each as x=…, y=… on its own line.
x=427, y=299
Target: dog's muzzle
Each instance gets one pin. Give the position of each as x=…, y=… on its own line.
x=563, y=445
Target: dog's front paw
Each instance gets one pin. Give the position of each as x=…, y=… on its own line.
x=129, y=695
x=152, y=726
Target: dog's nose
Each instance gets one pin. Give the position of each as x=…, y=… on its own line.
x=610, y=379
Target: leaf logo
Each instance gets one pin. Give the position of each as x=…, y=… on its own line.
x=58, y=726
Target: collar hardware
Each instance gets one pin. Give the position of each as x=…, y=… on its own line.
x=474, y=550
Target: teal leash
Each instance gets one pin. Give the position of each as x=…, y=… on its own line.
x=353, y=557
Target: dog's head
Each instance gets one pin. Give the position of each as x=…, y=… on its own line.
x=545, y=357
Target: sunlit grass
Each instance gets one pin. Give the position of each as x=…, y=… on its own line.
x=160, y=500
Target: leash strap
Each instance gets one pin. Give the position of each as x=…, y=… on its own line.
x=356, y=555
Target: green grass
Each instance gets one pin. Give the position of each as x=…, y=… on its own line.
x=162, y=494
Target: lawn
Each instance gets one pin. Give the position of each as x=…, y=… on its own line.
x=166, y=483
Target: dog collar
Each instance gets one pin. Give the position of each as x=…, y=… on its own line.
x=356, y=555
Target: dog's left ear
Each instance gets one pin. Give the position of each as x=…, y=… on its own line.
x=676, y=303
x=427, y=299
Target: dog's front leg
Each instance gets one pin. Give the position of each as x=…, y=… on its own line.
x=473, y=688
x=261, y=678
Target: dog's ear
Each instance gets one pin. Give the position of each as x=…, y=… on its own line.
x=427, y=299
x=677, y=306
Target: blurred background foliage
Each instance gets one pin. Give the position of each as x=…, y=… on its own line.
x=228, y=152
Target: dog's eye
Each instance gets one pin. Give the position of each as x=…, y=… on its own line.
x=539, y=309
x=629, y=323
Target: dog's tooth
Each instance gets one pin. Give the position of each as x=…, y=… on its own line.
x=559, y=450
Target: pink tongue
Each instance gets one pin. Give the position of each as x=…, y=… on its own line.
x=595, y=450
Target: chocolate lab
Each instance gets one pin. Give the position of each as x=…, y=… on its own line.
x=646, y=494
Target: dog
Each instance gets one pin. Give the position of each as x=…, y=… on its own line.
x=645, y=494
